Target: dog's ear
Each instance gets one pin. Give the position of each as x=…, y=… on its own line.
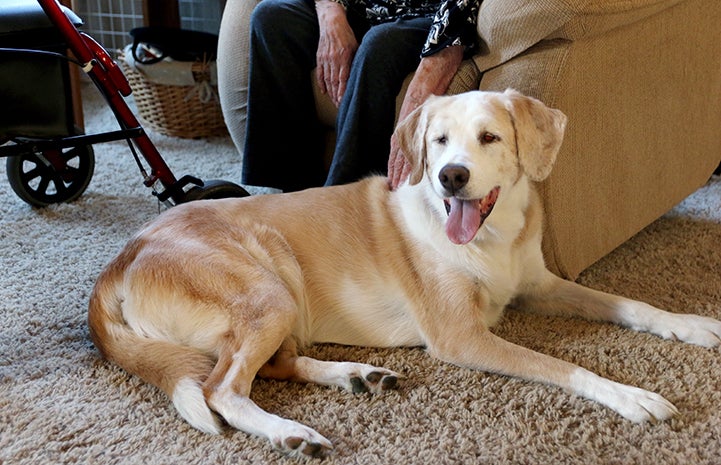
x=411, y=137
x=539, y=133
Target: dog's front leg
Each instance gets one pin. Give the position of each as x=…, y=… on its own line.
x=558, y=296
x=480, y=349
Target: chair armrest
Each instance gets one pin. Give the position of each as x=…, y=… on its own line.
x=507, y=28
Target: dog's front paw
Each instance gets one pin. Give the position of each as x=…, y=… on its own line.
x=635, y=404
x=694, y=329
x=639, y=405
x=685, y=327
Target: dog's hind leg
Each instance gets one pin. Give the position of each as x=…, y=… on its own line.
x=247, y=346
x=554, y=295
x=286, y=364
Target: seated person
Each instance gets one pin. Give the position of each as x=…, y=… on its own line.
x=362, y=50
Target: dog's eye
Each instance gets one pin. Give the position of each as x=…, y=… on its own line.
x=487, y=138
x=442, y=139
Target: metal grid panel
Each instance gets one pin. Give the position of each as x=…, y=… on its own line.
x=201, y=15
x=110, y=21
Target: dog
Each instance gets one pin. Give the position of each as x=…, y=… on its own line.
x=213, y=293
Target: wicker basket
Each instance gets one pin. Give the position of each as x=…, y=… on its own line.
x=177, y=111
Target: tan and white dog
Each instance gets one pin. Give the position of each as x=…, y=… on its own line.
x=212, y=293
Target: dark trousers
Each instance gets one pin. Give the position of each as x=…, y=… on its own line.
x=284, y=143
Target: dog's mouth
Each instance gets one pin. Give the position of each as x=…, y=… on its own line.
x=465, y=217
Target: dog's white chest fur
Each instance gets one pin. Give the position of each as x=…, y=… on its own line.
x=491, y=262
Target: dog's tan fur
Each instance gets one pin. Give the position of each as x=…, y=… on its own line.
x=213, y=293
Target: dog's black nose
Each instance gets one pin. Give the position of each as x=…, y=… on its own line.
x=454, y=177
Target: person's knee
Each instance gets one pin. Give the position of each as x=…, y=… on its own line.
x=285, y=23
x=278, y=14
x=376, y=43
x=265, y=12
x=380, y=61
x=391, y=46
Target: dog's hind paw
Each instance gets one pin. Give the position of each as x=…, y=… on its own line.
x=359, y=378
x=351, y=376
x=374, y=381
x=304, y=443
x=303, y=448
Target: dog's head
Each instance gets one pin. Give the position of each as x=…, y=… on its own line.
x=471, y=147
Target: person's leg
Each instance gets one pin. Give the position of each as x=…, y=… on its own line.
x=282, y=127
x=366, y=116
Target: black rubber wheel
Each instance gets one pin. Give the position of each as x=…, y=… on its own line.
x=36, y=181
x=214, y=189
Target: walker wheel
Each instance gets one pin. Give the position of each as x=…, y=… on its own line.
x=215, y=189
x=52, y=176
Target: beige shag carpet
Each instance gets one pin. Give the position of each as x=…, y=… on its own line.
x=60, y=403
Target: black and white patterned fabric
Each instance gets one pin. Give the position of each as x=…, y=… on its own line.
x=454, y=21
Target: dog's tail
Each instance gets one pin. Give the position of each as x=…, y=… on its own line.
x=177, y=370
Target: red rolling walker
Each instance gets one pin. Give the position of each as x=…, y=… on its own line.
x=53, y=168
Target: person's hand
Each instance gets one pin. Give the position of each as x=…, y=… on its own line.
x=433, y=76
x=336, y=48
x=398, y=166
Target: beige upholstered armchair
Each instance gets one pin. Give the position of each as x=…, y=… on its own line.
x=640, y=81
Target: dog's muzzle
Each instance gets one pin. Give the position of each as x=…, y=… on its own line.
x=466, y=216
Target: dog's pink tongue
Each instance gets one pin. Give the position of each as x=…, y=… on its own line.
x=464, y=220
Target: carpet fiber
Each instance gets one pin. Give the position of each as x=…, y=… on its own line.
x=60, y=403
